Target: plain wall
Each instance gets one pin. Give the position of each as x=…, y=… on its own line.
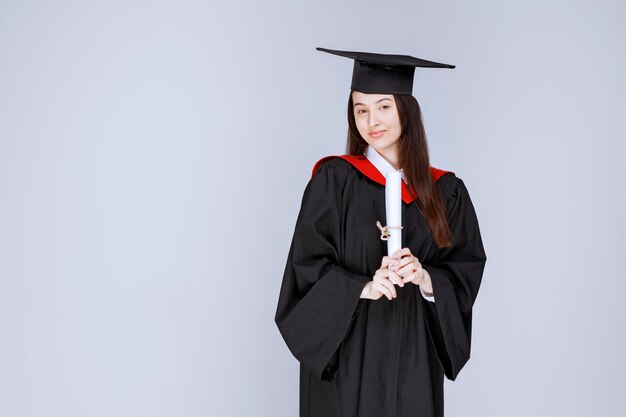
x=153, y=156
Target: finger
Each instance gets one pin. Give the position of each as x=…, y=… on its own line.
x=391, y=275
x=412, y=259
x=382, y=272
x=388, y=260
x=384, y=280
x=392, y=288
x=382, y=289
x=407, y=270
x=410, y=278
x=417, y=277
x=400, y=253
x=403, y=262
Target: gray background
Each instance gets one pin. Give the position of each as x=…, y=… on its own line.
x=147, y=203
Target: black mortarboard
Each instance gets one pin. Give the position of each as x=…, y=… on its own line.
x=384, y=74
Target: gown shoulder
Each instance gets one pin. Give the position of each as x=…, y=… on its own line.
x=333, y=169
x=335, y=164
x=450, y=186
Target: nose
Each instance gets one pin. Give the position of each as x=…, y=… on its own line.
x=373, y=119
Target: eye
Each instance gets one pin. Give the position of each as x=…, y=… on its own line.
x=361, y=111
x=385, y=106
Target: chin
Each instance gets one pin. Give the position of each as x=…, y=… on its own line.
x=379, y=146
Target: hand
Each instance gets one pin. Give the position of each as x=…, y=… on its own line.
x=381, y=285
x=410, y=269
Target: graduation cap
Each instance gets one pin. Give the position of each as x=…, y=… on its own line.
x=382, y=73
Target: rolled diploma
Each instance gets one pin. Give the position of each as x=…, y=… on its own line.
x=393, y=207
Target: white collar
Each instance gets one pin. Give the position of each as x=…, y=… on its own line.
x=381, y=164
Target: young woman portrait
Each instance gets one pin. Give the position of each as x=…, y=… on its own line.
x=376, y=332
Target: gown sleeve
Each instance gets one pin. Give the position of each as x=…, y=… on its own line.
x=456, y=273
x=318, y=297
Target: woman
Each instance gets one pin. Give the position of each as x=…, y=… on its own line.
x=366, y=346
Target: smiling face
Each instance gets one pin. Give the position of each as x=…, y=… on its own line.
x=376, y=118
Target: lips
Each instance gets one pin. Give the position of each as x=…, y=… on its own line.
x=376, y=133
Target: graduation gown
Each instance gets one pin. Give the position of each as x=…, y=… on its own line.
x=375, y=358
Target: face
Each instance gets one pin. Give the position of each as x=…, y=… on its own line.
x=377, y=120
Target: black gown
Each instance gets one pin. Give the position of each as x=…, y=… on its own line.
x=375, y=358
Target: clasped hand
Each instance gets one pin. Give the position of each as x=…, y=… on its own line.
x=403, y=268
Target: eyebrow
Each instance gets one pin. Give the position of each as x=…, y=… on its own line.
x=361, y=104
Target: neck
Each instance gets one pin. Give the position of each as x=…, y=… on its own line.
x=392, y=156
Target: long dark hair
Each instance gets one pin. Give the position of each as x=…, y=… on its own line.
x=415, y=163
